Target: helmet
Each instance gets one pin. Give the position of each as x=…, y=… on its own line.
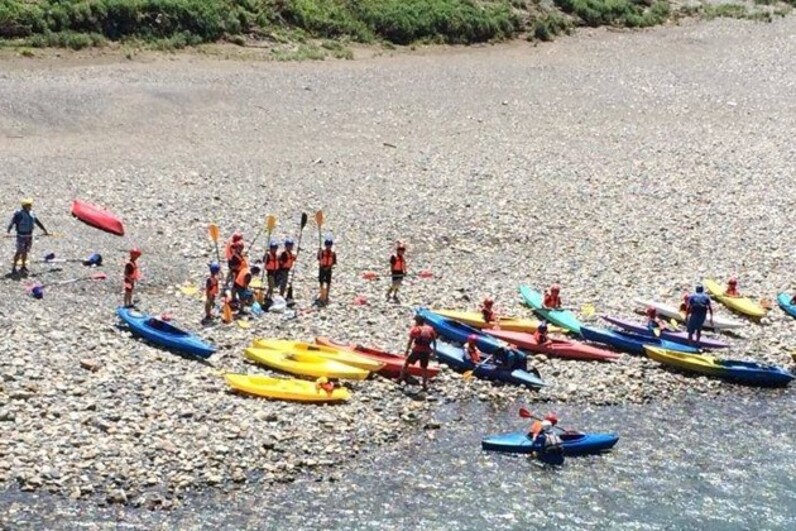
x=555, y=288
x=37, y=292
x=472, y=338
x=236, y=237
x=135, y=252
x=274, y=244
x=542, y=326
x=27, y=202
x=328, y=242
x=255, y=270
x=488, y=302
x=214, y=268
x=651, y=312
x=552, y=418
x=699, y=288
x=288, y=241
x=733, y=281
x=547, y=425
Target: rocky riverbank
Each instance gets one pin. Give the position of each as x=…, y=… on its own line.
x=620, y=165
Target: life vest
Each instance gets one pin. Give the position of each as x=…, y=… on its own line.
x=398, y=265
x=271, y=261
x=25, y=221
x=488, y=314
x=286, y=260
x=473, y=353
x=211, y=287
x=326, y=258
x=732, y=291
x=540, y=338
x=551, y=300
x=536, y=428
x=131, y=274
x=423, y=336
x=243, y=278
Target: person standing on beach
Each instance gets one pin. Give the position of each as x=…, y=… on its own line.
x=271, y=265
x=211, y=291
x=327, y=259
x=234, y=254
x=24, y=221
x=131, y=275
x=488, y=313
x=697, y=308
x=286, y=260
x=422, y=343
x=397, y=271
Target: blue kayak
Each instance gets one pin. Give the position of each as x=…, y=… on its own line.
x=454, y=356
x=574, y=444
x=457, y=332
x=163, y=334
x=629, y=342
x=784, y=302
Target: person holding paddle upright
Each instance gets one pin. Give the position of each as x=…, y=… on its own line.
x=234, y=254
x=422, y=343
x=397, y=271
x=286, y=260
x=24, y=222
x=327, y=259
x=211, y=291
x=271, y=264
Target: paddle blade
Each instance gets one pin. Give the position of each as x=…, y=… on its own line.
x=766, y=303
x=467, y=375
x=425, y=274
x=370, y=275
x=303, y=219
x=319, y=218
x=98, y=276
x=587, y=310
x=656, y=331
x=226, y=313
x=243, y=324
x=188, y=289
x=673, y=322
x=212, y=229
x=525, y=413
x=270, y=222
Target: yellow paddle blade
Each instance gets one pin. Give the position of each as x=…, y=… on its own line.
x=587, y=310
x=467, y=375
x=226, y=313
x=656, y=331
x=673, y=322
x=270, y=222
x=243, y=324
x=188, y=289
x=319, y=218
x=213, y=231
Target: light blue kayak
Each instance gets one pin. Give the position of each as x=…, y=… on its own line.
x=784, y=302
x=562, y=318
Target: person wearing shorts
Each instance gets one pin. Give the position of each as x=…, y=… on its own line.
x=287, y=259
x=422, y=344
x=271, y=261
x=397, y=272
x=24, y=220
x=327, y=259
x=697, y=309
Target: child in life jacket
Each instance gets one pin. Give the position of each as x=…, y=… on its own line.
x=131, y=275
x=327, y=259
x=552, y=297
x=211, y=291
x=540, y=335
x=397, y=271
x=488, y=313
x=732, y=288
x=271, y=264
x=471, y=349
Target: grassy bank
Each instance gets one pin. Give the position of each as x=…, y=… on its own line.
x=177, y=23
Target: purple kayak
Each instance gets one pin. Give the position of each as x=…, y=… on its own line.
x=674, y=337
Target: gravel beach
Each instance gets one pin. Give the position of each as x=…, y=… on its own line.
x=619, y=164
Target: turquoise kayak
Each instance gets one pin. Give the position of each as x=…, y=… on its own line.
x=562, y=318
x=784, y=302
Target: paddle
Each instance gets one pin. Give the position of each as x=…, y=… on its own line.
x=259, y=233
x=37, y=291
x=302, y=224
x=526, y=414
x=212, y=229
x=467, y=375
x=270, y=223
x=226, y=310
x=372, y=275
x=319, y=223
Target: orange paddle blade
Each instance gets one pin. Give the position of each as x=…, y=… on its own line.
x=213, y=231
x=270, y=222
x=370, y=275
x=319, y=218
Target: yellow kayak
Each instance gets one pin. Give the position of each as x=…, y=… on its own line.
x=335, y=354
x=509, y=324
x=284, y=388
x=309, y=365
x=742, y=305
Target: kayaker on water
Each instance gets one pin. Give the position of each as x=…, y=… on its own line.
x=488, y=313
x=540, y=335
x=271, y=264
x=131, y=275
x=327, y=259
x=211, y=291
x=286, y=260
x=422, y=343
x=732, y=288
x=397, y=271
x=472, y=349
x=24, y=220
x=697, y=308
x=548, y=445
x=552, y=297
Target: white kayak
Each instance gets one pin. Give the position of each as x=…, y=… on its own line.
x=672, y=312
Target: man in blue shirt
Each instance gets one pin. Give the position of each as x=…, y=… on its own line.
x=24, y=221
x=697, y=308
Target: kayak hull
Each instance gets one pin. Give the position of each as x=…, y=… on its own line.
x=631, y=343
x=392, y=363
x=675, y=337
x=743, y=305
x=718, y=323
x=97, y=217
x=330, y=353
x=306, y=365
x=163, y=334
x=562, y=318
x=556, y=348
x=454, y=357
x=284, y=388
x=745, y=372
x=574, y=444
x=475, y=320
x=457, y=332
x=783, y=299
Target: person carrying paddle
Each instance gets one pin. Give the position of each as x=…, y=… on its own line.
x=732, y=288
x=397, y=271
x=327, y=259
x=131, y=275
x=271, y=264
x=241, y=294
x=697, y=308
x=211, y=291
x=286, y=260
x=234, y=254
x=422, y=343
x=24, y=221
x=552, y=298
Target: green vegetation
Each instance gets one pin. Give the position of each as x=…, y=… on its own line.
x=319, y=28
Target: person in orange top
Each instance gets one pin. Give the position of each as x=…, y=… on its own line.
x=552, y=298
x=327, y=259
x=286, y=260
x=211, y=291
x=131, y=275
x=397, y=270
x=422, y=343
x=472, y=349
x=732, y=288
x=488, y=312
x=540, y=335
x=271, y=264
x=536, y=426
x=240, y=288
x=234, y=253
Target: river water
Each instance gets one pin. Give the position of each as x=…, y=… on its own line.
x=694, y=464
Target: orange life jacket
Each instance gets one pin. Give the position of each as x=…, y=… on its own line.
x=488, y=314
x=732, y=291
x=286, y=260
x=131, y=272
x=326, y=258
x=271, y=261
x=243, y=278
x=211, y=287
x=472, y=351
x=551, y=300
x=539, y=337
x=398, y=264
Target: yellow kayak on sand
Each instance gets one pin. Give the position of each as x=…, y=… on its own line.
x=284, y=388
x=309, y=365
x=299, y=350
x=742, y=305
x=510, y=324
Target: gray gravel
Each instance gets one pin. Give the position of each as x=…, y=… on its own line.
x=619, y=164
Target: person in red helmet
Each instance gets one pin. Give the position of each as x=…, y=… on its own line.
x=552, y=417
x=732, y=288
x=472, y=349
x=552, y=298
x=422, y=344
x=488, y=313
x=131, y=275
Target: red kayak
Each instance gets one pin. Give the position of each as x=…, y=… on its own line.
x=97, y=218
x=392, y=362
x=558, y=348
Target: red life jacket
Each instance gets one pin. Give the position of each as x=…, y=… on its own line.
x=540, y=338
x=423, y=335
x=327, y=258
x=131, y=273
x=398, y=265
x=271, y=261
x=551, y=300
x=488, y=314
x=286, y=260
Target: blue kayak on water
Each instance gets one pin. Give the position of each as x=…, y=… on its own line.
x=163, y=334
x=574, y=443
x=629, y=342
x=454, y=356
x=784, y=302
x=457, y=332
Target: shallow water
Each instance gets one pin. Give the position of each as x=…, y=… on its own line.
x=727, y=464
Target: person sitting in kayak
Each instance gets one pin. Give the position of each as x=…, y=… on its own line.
x=131, y=276
x=422, y=343
x=547, y=443
x=536, y=426
x=509, y=359
x=540, y=335
x=697, y=308
x=488, y=313
x=653, y=322
x=211, y=291
x=552, y=298
x=471, y=349
x=732, y=288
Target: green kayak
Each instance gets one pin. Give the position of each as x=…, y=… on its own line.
x=562, y=318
